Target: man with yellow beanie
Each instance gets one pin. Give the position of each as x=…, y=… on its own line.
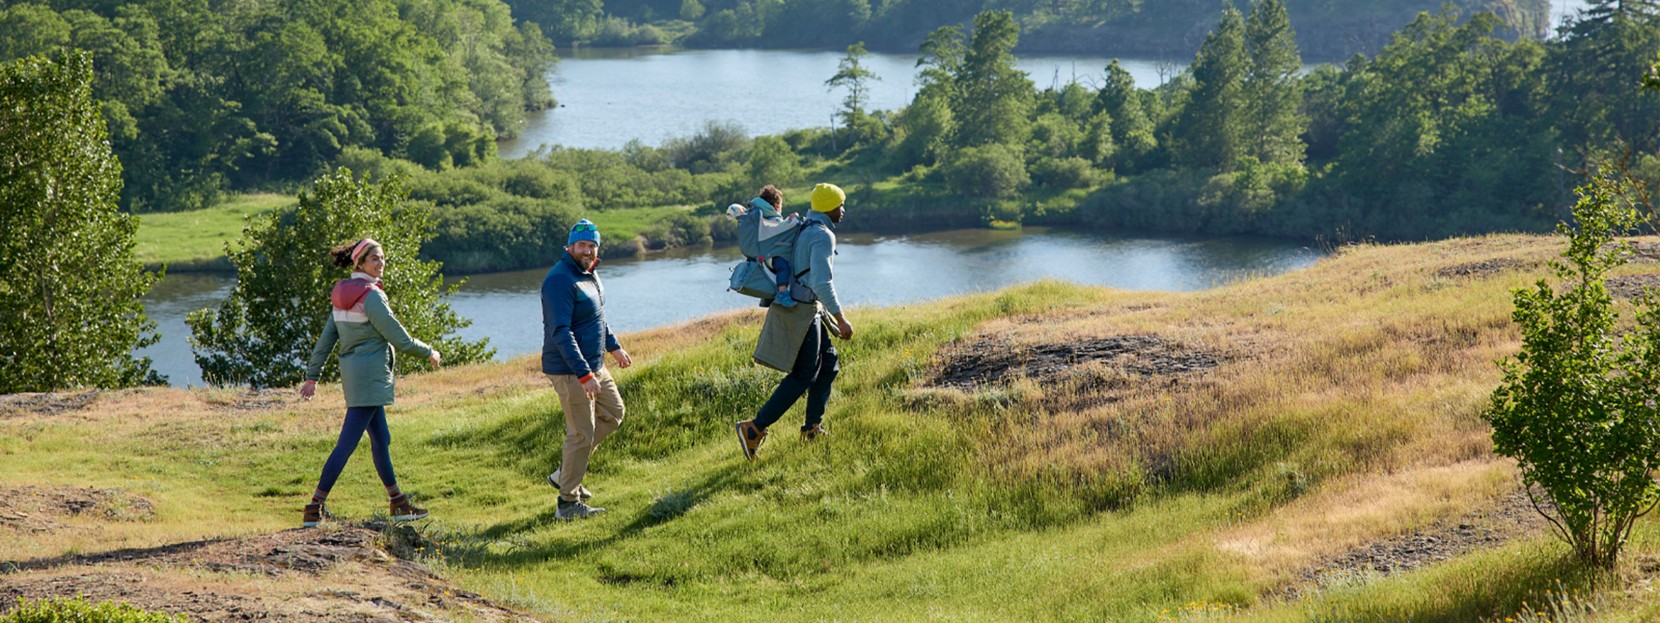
x=795, y=340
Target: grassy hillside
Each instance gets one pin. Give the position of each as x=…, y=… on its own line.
x=195, y=240
x=1047, y=452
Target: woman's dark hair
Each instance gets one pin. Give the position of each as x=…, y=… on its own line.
x=343, y=254
x=773, y=196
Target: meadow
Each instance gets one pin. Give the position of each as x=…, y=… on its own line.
x=1048, y=452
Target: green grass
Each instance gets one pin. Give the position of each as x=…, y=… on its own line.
x=1055, y=499
x=191, y=241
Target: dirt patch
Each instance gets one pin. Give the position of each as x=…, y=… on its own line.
x=334, y=573
x=1631, y=286
x=1645, y=252
x=1511, y=518
x=45, y=403
x=1483, y=268
x=993, y=359
x=251, y=399
x=39, y=509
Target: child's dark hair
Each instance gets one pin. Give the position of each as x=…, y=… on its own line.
x=773, y=196
x=343, y=254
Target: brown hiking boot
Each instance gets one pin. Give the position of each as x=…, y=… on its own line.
x=750, y=437
x=809, y=433
x=402, y=510
x=315, y=514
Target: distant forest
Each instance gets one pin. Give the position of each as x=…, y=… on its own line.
x=1453, y=127
x=202, y=95
x=1331, y=29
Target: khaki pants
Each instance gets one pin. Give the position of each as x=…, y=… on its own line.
x=587, y=423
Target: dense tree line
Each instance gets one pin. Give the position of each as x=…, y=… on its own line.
x=1450, y=129
x=202, y=95
x=1159, y=28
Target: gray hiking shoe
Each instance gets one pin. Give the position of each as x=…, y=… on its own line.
x=809, y=433
x=582, y=492
x=575, y=510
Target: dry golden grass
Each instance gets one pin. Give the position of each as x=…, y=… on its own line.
x=1356, y=510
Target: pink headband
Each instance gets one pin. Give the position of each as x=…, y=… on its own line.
x=358, y=250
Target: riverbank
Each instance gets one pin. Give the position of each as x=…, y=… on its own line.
x=1124, y=455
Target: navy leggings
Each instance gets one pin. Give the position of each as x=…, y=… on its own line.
x=358, y=421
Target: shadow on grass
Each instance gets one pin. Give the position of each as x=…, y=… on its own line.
x=664, y=509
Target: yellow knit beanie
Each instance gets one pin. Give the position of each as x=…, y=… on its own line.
x=828, y=197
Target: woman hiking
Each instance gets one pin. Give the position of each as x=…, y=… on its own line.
x=363, y=326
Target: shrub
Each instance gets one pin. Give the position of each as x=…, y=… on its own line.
x=710, y=149
x=262, y=335
x=1576, y=407
x=986, y=172
x=1063, y=173
x=58, y=610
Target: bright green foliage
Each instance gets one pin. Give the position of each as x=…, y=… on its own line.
x=772, y=162
x=69, y=282
x=263, y=334
x=77, y=610
x=987, y=172
x=1576, y=408
x=1210, y=131
x=994, y=100
x=1272, y=93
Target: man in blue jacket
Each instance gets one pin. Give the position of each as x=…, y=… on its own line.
x=575, y=339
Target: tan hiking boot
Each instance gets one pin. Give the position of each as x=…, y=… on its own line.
x=750, y=437
x=809, y=433
x=315, y=514
x=402, y=510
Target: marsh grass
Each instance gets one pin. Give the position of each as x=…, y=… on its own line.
x=1345, y=411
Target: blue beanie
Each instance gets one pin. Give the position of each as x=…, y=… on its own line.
x=583, y=230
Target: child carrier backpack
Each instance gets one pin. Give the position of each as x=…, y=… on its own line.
x=760, y=239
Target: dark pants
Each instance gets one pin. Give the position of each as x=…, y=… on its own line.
x=814, y=371
x=358, y=421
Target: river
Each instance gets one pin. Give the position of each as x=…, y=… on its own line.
x=608, y=97
x=871, y=271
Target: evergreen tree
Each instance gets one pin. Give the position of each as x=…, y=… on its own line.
x=1590, y=69
x=262, y=335
x=923, y=130
x=1272, y=94
x=69, y=284
x=853, y=75
x=994, y=105
x=1209, y=132
x=1132, y=128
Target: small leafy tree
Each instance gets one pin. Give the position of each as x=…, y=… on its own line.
x=263, y=334
x=69, y=285
x=1577, y=407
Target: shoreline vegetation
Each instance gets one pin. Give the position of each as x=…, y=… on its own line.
x=1339, y=154
x=1272, y=450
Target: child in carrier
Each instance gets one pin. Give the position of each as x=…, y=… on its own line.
x=770, y=208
